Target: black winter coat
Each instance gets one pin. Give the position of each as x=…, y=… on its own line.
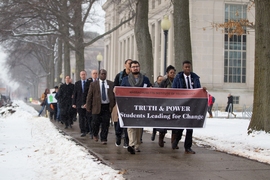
x=65, y=95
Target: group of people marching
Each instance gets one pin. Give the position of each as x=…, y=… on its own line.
x=94, y=101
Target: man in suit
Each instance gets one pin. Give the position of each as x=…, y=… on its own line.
x=100, y=102
x=185, y=80
x=79, y=101
x=93, y=78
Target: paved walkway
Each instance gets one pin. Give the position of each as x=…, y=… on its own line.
x=154, y=162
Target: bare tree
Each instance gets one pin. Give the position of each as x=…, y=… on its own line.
x=63, y=18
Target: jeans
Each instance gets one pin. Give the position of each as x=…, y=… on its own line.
x=42, y=108
x=58, y=113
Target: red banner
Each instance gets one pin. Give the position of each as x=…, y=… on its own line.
x=161, y=107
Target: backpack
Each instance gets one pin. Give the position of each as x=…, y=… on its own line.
x=120, y=77
x=213, y=99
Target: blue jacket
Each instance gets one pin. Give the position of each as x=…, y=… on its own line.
x=145, y=81
x=179, y=81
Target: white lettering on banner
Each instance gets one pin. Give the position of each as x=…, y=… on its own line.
x=198, y=117
x=132, y=115
x=145, y=108
x=166, y=108
x=158, y=116
x=174, y=116
x=177, y=108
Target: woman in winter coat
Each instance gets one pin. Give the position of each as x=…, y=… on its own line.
x=43, y=101
x=167, y=83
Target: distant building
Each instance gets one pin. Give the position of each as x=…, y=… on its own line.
x=225, y=64
x=90, y=55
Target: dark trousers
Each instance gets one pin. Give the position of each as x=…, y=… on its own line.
x=102, y=119
x=161, y=130
x=119, y=131
x=66, y=115
x=66, y=119
x=174, y=131
x=53, y=113
x=89, y=120
x=83, y=120
x=188, y=139
x=210, y=110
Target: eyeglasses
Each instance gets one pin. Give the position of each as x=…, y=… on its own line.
x=135, y=66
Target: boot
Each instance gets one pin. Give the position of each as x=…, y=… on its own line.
x=234, y=114
x=161, y=139
x=153, y=134
x=174, y=141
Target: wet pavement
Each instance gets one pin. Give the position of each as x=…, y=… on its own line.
x=154, y=162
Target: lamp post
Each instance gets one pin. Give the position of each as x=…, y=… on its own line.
x=165, y=25
x=99, y=59
x=73, y=71
x=61, y=77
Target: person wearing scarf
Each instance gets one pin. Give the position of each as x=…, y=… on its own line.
x=135, y=79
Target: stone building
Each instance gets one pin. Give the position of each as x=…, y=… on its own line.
x=225, y=64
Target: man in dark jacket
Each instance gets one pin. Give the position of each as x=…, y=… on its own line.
x=135, y=79
x=229, y=107
x=186, y=80
x=79, y=100
x=118, y=130
x=65, y=99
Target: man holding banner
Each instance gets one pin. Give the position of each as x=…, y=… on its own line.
x=186, y=80
x=135, y=79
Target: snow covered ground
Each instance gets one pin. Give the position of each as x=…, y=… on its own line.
x=32, y=148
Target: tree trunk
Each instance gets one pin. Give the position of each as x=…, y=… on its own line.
x=143, y=39
x=260, y=119
x=182, y=41
x=59, y=60
x=79, y=42
x=66, y=41
x=66, y=59
x=51, y=57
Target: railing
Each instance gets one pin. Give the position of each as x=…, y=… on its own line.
x=246, y=111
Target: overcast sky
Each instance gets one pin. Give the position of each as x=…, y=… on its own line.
x=99, y=17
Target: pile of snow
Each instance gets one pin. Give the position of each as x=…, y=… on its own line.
x=230, y=135
x=32, y=148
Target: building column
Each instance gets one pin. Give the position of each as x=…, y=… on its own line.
x=156, y=57
x=170, y=50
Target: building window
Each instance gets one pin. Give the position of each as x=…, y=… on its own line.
x=235, y=47
x=120, y=52
x=128, y=47
x=132, y=47
x=153, y=4
x=153, y=38
x=124, y=49
x=235, y=99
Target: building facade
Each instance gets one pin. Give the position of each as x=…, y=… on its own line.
x=224, y=62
